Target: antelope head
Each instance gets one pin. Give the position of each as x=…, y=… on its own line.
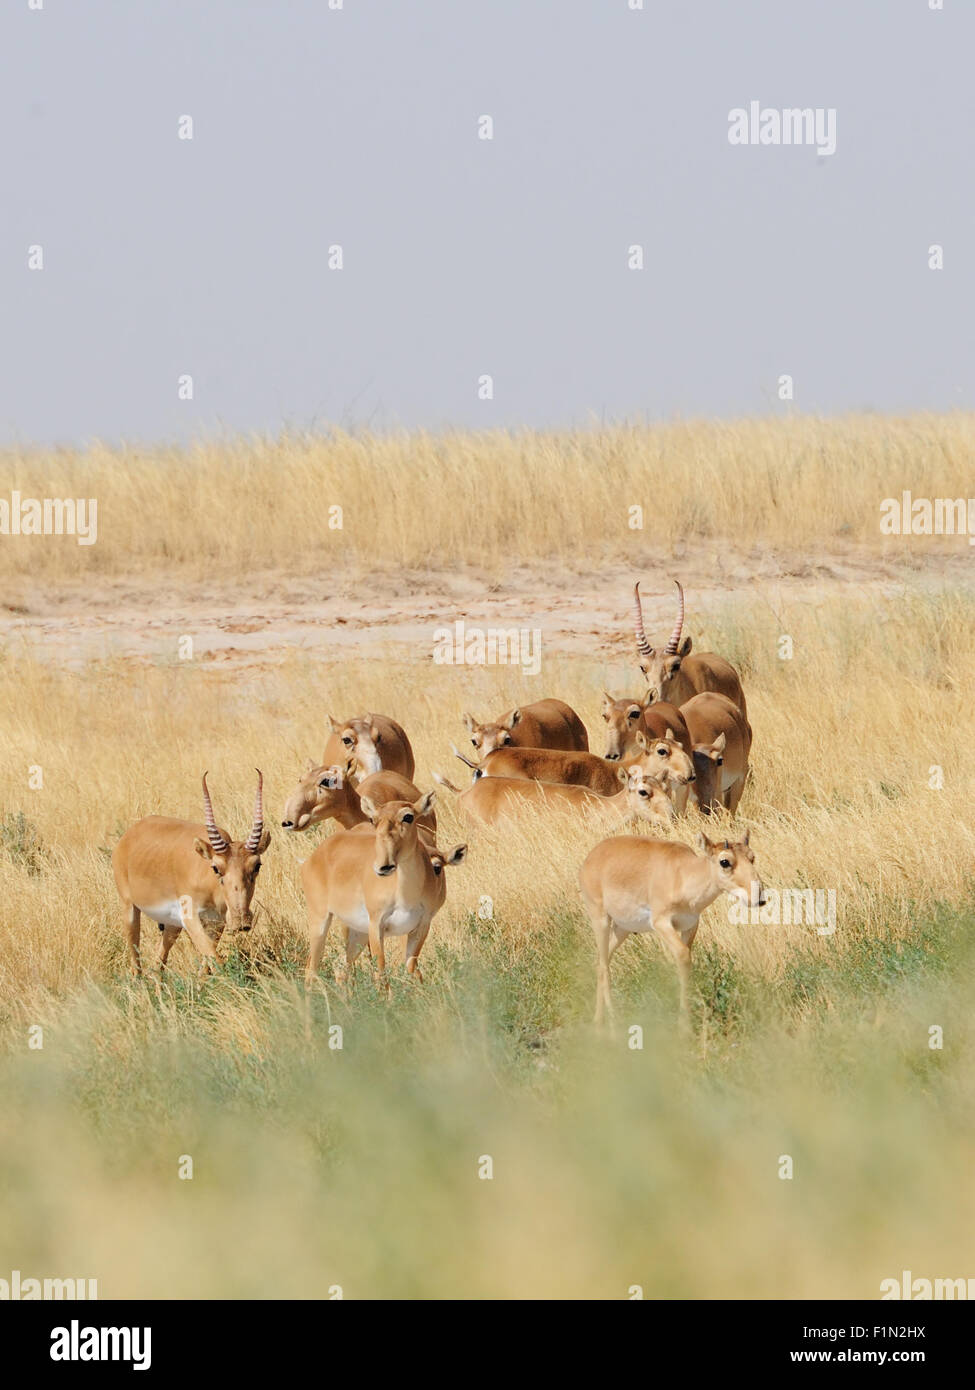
x=661, y=668
x=321, y=792
x=396, y=834
x=487, y=737
x=648, y=797
x=236, y=863
x=733, y=869
x=360, y=739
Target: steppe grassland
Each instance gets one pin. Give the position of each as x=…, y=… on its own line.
x=612, y=1167
x=415, y=501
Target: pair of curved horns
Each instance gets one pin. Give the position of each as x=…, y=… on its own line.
x=642, y=645
x=217, y=842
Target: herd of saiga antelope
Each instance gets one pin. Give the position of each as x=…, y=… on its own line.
x=382, y=873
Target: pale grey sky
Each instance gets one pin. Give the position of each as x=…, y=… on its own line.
x=462, y=256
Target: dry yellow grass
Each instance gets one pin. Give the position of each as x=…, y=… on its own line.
x=486, y=500
x=613, y=1166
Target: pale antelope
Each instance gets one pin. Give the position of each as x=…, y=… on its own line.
x=324, y=793
x=673, y=674
x=661, y=756
x=379, y=884
x=544, y=724
x=377, y=742
x=722, y=742
x=631, y=884
x=640, y=796
x=185, y=875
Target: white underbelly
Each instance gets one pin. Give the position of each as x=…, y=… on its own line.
x=634, y=919
x=402, y=920
x=356, y=919
x=398, y=921
x=167, y=914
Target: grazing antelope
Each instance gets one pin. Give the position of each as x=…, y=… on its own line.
x=545, y=724
x=387, y=883
x=324, y=793
x=722, y=741
x=377, y=742
x=600, y=775
x=630, y=884
x=674, y=675
x=640, y=795
x=185, y=875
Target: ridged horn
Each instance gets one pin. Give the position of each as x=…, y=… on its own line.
x=257, y=829
x=642, y=645
x=675, y=635
x=217, y=842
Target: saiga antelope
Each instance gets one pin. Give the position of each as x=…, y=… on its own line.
x=661, y=756
x=185, y=875
x=377, y=742
x=545, y=724
x=673, y=674
x=627, y=719
x=640, y=795
x=382, y=884
x=324, y=793
x=630, y=884
x=722, y=742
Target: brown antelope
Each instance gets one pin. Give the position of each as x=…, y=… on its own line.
x=722, y=741
x=377, y=742
x=545, y=724
x=674, y=675
x=379, y=884
x=185, y=875
x=600, y=775
x=640, y=795
x=627, y=719
x=631, y=884
x=324, y=793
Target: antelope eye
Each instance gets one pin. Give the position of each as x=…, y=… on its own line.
x=215, y=869
x=662, y=752
x=474, y=742
x=408, y=818
x=634, y=714
x=643, y=792
x=725, y=863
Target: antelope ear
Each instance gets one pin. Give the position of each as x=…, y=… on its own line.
x=203, y=848
x=457, y=855
x=310, y=766
x=351, y=763
x=513, y=718
x=641, y=740
x=623, y=775
x=670, y=734
x=704, y=844
x=470, y=723
x=685, y=646
x=263, y=842
x=718, y=746
x=369, y=806
x=607, y=705
x=744, y=838
x=422, y=807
